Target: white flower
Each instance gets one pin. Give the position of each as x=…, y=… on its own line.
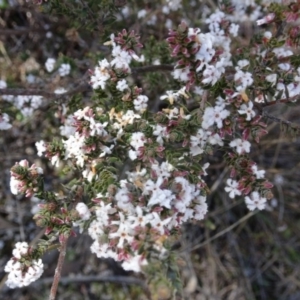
x=121, y=59
x=255, y=201
x=3, y=84
x=83, y=211
x=55, y=160
x=259, y=174
x=14, y=185
x=181, y=74
x=284, y=66
x=40, y=147
x=137, y=140
x=232, y=188
x=242, y=63
x=102, y=213
x=243, y=80
x=211, y=75
x=160, y=132
x=214, y=115
x=96, y=229
x=240, y=145
x=97, y=128
x=272, y=78
x=64, y=70
x=141, y=13
x=122, y=85
x=162, y=198
x=164, y=170
x=140, y=103
x=49, y=64
x=201, y=208
x=132, y=154
x=139, y=219
x=21, y=248
x=4, y=122
x=101, y=75
x=174, y=4
x=124, y=233
x=123, y=199
x=134, y=263
x=74, y=147
x=215, y=139
x=198, y=142
x=247, y=110
x=60, y=91
x=17, y=277
x=233, y=29
x=159, y=224
x=267, y=35
x=103, y=250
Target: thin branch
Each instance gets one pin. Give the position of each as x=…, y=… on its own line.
x=229, y=228
x=127, y=280
x=153, y=68
x=21, y=31
x=285, y=100
x=288, y=123
x=58, y=269
x=88, y=279
x=80, y=88
x=37, y=92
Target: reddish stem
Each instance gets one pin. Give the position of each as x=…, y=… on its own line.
x=58, y=269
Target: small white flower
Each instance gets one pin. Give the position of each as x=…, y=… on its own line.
x=83, y=211
x=240, y=145
x=233, y=29
x=41, y=147
x=140, y=103
x=182, y=74
x=255, y=201
x=134, y=263
x=3, y=84
x=141, y=13
x=21, y=248
x=64, y=70
x=232, y=188
x=243, y=80
x=137, y=140
x=247, y=110
x=214, y=115
x=4, y=122
x=272, y=78
x=49, y=64
x=259, y=174
x=122, y=85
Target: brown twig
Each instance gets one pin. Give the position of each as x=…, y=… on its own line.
x=58, y=269
x=79, y=89
x=285, y=100
x=288, y=123
x=153, y=68
x=229, y=228
x=20, y=31
x=37, y=92
x=127, y=280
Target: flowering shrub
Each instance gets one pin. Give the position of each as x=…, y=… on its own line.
x=138, y=171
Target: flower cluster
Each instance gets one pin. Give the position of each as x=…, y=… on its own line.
x=22, y=268
x=150, y=203
x=25, y=179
